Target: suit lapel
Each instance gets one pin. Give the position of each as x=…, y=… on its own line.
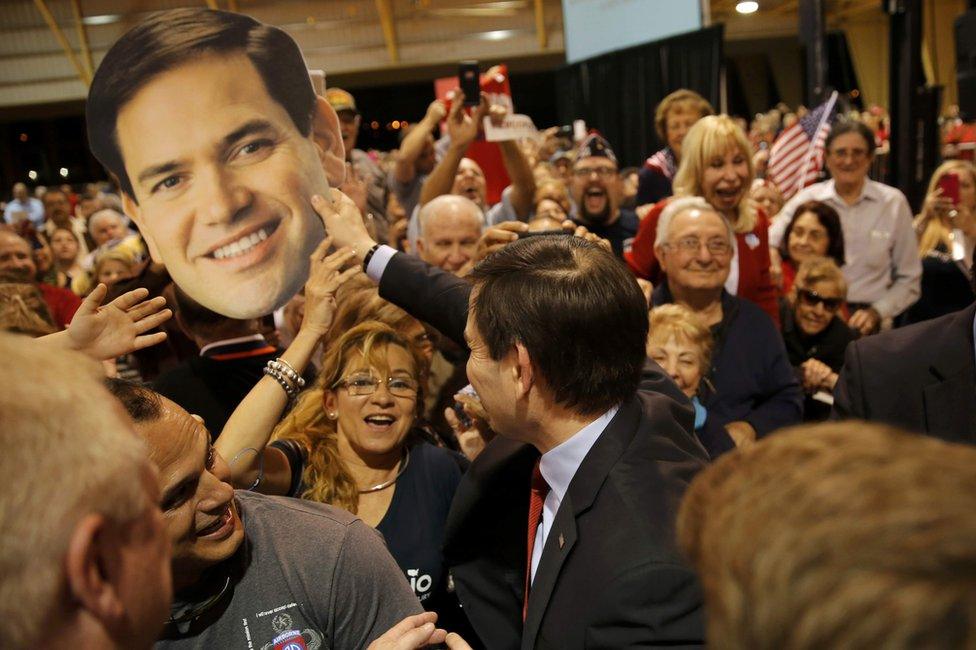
x=560, y=541
x=950, y=401
x=583, y=489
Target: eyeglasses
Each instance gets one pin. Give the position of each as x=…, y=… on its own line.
x=812, y=299
x=602, y=172
x=365, y=384
x=693, y=245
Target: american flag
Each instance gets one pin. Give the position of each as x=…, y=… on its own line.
x=797, y=155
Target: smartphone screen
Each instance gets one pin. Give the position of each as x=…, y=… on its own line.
x=949, y=184
x=470, y=81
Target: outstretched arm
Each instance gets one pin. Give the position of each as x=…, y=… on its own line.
x=109, y=331
x=413, y=144
x=251, y=423
x=462, y=130
x=518, y=168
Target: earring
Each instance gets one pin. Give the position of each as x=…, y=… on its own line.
x=332, y=415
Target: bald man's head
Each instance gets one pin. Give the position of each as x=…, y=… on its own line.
x=106, y=225
x=450, y=227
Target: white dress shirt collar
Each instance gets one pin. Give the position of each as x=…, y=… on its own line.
x=559, y=464
x=558, y=467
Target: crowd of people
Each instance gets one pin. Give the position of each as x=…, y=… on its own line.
x=572, y=417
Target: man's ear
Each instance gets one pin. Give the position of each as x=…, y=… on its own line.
x=328, y=140
x=523, y=370
x=420, y=246
x=90, y=567
x=132, y=209
x=660, y=254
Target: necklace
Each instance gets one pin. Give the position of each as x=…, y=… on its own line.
x=383, y=486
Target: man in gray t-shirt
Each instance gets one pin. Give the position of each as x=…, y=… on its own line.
x=252, y=571
x=306, y=573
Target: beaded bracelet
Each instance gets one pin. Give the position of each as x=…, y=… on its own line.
x=285, y=368
x=289, y=389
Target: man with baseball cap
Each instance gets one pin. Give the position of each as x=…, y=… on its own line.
x=344, y=104
x=596, y=191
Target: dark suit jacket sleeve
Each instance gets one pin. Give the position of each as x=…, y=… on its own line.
x=648, y=606
x=655, y=380
x=848, y=393
x=428, y=294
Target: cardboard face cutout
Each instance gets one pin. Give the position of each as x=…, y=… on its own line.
x=218, y=151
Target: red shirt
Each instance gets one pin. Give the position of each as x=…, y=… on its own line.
x=62, y=303
x=963, y=134
x=789, y=275
x=755, y=282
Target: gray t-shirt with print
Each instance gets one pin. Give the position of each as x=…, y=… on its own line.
x=308, y=577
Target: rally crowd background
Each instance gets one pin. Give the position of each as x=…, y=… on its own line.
x=751, y=314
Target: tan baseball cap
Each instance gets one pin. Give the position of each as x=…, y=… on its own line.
x=341, y=100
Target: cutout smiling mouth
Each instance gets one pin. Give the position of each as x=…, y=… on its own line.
x=245, y=242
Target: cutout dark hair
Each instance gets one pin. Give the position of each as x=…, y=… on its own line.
x=168, y=39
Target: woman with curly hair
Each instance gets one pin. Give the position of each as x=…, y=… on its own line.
x=349, y=441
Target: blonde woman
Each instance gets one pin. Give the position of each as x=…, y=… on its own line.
x=716, y=164
x=680, y=342
x=946, y=230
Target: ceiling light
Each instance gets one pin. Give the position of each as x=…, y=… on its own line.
x=105, y=19
x=748, y=7
x=32, y=175
x=496, y=35
x=64, y=172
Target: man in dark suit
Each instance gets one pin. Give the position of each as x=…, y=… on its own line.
x=556, y=327
x=921, y=377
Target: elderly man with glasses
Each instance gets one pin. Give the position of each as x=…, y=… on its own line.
x=753, y=390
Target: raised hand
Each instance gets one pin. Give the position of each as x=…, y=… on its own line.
x=498, y=237
x=436, y=112
x=461, y=127
x=324, y=279
x=106, y=332
x=581, y=231
x=344, y=223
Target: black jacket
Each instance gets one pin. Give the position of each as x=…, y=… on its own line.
x=610, y=575
x=921, y=378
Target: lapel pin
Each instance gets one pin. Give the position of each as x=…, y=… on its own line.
x=562, y=541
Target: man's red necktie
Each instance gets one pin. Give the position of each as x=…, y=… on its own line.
x=537, y=497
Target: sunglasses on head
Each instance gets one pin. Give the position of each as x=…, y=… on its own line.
x=812, y=299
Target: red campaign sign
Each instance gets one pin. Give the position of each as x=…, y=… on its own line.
x=486, y=154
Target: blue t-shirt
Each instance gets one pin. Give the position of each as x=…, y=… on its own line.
x=620, y=233
x=413, y=526
x=414, y=523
